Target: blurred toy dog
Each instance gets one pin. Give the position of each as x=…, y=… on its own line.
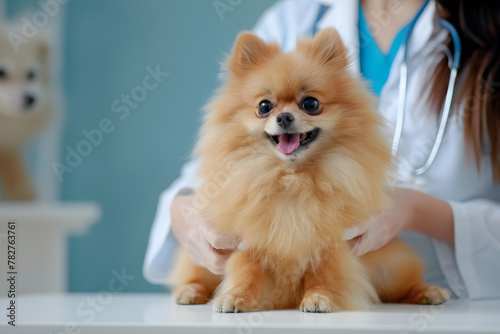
x=24, y=109
x=306, y=158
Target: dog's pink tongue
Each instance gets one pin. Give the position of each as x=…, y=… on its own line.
x=288, y=143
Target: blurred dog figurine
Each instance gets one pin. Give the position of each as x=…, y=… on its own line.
x=25, y=107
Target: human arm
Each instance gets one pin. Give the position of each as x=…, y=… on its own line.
x=466, y=236
x=162, y=243
x=196, y=234
x=178, y=221
x=409, y=210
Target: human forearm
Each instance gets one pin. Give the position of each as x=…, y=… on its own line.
x=429, y=215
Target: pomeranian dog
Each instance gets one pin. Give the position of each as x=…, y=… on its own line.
x=305, y=158
x=25, y=107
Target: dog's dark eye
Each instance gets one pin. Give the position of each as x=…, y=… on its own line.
x=31, y=75
x=311, y=106
x=3, y=74
x=265, y=107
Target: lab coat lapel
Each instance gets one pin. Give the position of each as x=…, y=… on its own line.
x=343, y=16
x=422, y=31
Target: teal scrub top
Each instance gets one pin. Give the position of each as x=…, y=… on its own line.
x=374, y=64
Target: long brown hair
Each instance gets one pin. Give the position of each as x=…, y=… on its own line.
x=478, y=24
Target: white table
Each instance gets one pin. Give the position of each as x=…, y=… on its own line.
x=157, y=313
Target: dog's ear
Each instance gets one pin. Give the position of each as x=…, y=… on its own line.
x=249, y=51
x=41, y=44
x=327, y=45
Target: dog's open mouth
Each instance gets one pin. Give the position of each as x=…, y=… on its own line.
x=291, y=142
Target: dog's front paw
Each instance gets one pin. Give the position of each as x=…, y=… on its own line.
x=190, y=294
x=228, y=303
x=318, y=303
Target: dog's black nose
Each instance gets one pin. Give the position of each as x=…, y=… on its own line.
x=29, y=100
x=284, y=119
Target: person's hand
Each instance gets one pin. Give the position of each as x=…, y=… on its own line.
x=197, y=236
x=383, y=226
x=409, y=210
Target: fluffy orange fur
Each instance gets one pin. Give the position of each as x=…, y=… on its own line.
x=291, y=211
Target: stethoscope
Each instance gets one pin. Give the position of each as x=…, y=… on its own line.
x=414, y=176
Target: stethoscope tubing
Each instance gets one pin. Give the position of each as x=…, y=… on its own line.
x=403, y=82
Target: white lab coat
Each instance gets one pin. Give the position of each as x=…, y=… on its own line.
x=471, y=268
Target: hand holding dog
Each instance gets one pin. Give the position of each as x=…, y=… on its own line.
x=382, y=227
x=196, y=235
x=409, y=210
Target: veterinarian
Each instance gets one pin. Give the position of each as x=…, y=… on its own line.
x=448, y=165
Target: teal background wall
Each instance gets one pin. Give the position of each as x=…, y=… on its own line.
x=108, y=45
